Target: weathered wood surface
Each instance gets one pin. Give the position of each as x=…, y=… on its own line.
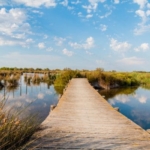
x=84, y=120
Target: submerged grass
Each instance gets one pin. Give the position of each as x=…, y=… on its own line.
x=14, y=132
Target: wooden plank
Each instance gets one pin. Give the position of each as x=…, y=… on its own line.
x=85, y=120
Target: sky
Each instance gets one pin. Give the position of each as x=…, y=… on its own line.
x=89, y=34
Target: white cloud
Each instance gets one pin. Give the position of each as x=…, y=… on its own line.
x=76, y=45
x=77, y=2
x=37, y=12
x=100, y=62
x=13, y=27
x=141, y=3
x=80, y=14
x=89, y=53
x=106, y=15
x=87, y=45
x=40, y=96
x=142, y=47
x=148, y=5
x=93, y=5
x=70, y=8
x=49, y=49
x=116, y=1
x=64, y=3
x=67, y=52
x=45, y=36
x=122, y=98
x=59, y=40
x=96, y=1
x=41, y=45
x=13, y=21
x=4, y=42
x=131, y=61
x=141, y=29
x=37, y=3
x=142, y=14
x=88, y=8
x=13, y=42
x=103, y=27
x=89, y=16
x=142, y=99
x=148, y=12
x=119, y=46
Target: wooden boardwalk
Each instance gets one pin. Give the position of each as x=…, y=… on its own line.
x=84, y=120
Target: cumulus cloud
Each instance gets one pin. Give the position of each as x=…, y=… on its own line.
x=142, y=99
x=49, y=49
x=87, y=45
x=148, y=12
x=116, y=1
x=106, y=15
x=119, y=46
x=41, y=45
x=103, y=27
x=40, y=96
x=14, y=27
x=142, y=28
x=143, y=12
x=131, y=61
x=122, y=98
x=89, y=16
x=67, y=52
x=142, y=47
x=59, y=40
x=37, y=3
x=64, y=3
x=141, y=3
x=13, y=42
x=80, y=14
x=37, y=12
x=77, y=2
x=93, y=5
x=13, y=20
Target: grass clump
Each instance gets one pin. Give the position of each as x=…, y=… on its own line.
x=14, y=132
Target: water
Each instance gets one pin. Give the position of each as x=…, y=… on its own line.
x=32, y=99
x=134, y=103
x=36, y=99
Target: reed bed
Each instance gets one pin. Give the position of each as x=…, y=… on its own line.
x=14, y=132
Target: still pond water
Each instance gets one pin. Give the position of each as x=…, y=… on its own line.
x=36, y=99
x=31, y=98
x=134, y=103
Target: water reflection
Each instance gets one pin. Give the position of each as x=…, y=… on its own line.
x=133, y=103
x=31, y=98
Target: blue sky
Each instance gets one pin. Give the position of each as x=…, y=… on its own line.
x=110, y=34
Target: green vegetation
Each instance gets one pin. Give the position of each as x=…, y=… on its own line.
x=13, y=131
x=36, y=79
x=64, y=76
x=104, y=79
x=113, y=92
